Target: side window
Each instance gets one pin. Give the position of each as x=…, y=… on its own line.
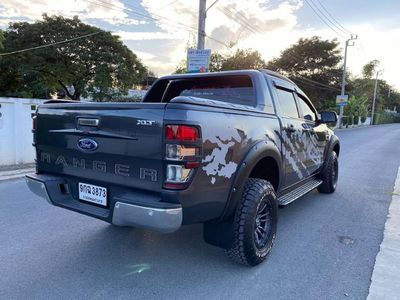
x=287, y=103
x=308, y=113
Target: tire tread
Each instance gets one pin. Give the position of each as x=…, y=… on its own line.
x=239, y=252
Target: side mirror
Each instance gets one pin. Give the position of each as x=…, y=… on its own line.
x=328, y=117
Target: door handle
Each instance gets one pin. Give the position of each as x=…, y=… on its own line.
x=88, y=122
x=290, y=128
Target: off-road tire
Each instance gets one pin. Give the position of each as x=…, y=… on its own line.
x=329, y=174
x=244, y=250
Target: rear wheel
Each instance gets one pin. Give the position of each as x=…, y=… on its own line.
x=330, y=174
x=255, y=223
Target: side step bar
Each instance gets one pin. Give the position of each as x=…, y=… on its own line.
x=299, y=191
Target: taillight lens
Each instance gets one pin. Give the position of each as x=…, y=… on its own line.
x=180, y=152
x=177, y=174
x=34, y=122
x=181, y=133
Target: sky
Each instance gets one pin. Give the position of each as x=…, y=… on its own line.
x=159, y=32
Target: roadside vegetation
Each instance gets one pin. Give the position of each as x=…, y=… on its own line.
x=101, y=67
x=315, y=65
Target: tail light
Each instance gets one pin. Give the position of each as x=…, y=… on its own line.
x=182, y=154
x=34, y=119
x=181, y=132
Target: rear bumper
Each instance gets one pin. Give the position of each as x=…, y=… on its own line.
x=121, y=213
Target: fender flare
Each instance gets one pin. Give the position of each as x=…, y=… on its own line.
x=259, y=151
x=333, y=141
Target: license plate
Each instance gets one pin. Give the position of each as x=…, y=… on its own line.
x=93, y=193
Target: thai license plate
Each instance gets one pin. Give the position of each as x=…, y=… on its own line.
x=93, y=193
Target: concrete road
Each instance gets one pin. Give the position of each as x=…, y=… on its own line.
x=326, y=245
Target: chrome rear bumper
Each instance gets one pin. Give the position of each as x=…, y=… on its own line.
x=159, y=219
x=124, y=214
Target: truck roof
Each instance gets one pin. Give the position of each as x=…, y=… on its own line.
x=234, y=72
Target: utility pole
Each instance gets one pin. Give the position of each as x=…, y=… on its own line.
x=374, y=99
x=349, y=42
x=201, y=32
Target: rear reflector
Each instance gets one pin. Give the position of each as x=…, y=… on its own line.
x=177, y=174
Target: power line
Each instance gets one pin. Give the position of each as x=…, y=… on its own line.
x=229, y=14
x=171, y=22
x=334, y=19
x=131, y=10
x=312, y=85
x=167, y=5
x=327, y=18
x=322, y=19
x=51, y=44
x=316, y=82
x=243, y=22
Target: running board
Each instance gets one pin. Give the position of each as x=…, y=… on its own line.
x=299, y=191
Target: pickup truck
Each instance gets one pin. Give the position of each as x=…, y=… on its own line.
x=225, y=149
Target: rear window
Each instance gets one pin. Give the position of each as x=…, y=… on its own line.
x=236, y=89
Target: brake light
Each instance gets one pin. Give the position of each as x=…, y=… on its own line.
x=181, y=133
x=182, y=154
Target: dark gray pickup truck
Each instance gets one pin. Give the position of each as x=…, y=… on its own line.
x=223, y=149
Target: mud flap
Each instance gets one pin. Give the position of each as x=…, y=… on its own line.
x=219, y=234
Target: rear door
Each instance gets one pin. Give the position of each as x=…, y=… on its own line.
x=112, y=143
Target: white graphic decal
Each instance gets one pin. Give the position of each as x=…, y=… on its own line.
x=215, y=164
x=299, y=147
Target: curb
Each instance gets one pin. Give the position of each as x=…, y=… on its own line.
x=14, y=174
x=385, y=281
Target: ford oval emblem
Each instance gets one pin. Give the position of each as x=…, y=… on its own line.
x=87, y=144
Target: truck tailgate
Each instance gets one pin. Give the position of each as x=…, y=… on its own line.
x=110, y=143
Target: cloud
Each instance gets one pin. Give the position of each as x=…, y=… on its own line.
x=149, y=35
x=145, y=55
x=111, y=11
x=270, y=29
x=266, y=26
x=229, y=21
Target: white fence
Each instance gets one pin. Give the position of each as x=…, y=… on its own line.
x=16, y=130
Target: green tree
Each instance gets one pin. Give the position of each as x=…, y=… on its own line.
x=369, y=69
x=313, y=59
x=216, y=62
x=2, y=38
x=239, y=60
x=243, y=59
x=99, y=65
x=356, y=108
x=363, y=87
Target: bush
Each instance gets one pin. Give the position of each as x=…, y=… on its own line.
x=386, y=118
x=126, y=99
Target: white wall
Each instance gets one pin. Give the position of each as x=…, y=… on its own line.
x=16, y=130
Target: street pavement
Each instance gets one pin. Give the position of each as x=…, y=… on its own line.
x=325, y=249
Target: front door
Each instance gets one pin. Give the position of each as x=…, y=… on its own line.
x=315, y=135
x=293, y=137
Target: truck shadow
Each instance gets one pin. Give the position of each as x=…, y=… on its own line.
x=140, y=260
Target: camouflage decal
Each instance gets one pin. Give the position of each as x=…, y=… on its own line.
x=300, y=146
x=216, y=163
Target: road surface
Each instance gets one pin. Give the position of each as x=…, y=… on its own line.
x=325, y=249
